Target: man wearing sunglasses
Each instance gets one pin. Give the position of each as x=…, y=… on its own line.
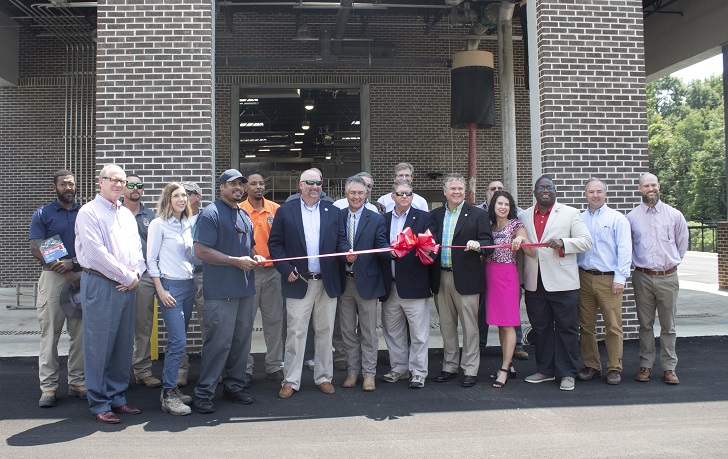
x=224, y=242
x=551, y=281
x=142, y=357
x=308, y=227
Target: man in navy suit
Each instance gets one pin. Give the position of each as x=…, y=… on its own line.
x=407, y=281
x=305, y=227
x=457, y=279
x=363, y=284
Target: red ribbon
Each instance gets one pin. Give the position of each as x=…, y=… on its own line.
x=404, y=242
x=426, y=242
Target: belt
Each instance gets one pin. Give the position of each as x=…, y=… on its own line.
x=655, y=273
x=312, y=276
x=350, y=273
x=198, y=268
x=76, y=268
x=598, y=273
x=448, y=269
x=93, y=272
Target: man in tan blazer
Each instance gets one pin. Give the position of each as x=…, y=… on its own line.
x=551, y=281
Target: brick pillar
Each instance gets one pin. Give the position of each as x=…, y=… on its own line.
x=722, y=245
x=592, y=102
x=155, y=91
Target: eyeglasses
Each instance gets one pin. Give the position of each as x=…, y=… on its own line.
x=115, y=181
x=541, y=188
x=496, y=188
x=131, y=186
x=244, y=229
x=369, y=186
x=313, y=182
x=403, y=193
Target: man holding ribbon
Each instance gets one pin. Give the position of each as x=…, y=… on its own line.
x=308, y=227
x=457, y=278
x=407, y=280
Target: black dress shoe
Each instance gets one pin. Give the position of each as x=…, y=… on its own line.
x=446, y=376
x=240, y=396
x=107, y=417
x=469, y=381
x=125, y=409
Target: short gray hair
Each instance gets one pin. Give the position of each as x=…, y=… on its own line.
x=399, y=183
x=451, y=177
x=365, y=174
x=354, y=179
x=594, y=179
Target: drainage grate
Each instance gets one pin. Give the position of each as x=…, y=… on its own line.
x=22, y=332
x=702, y=315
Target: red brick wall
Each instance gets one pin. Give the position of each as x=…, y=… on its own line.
x=722, y=244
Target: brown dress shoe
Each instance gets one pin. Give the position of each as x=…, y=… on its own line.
x=614, y=377
x=326, y=387
x=670, y=377
x=369, y=384
x=125, y=409
x=350, y=381
x=107, y=417
x=78, y=391
x=588, y=373
x=149, y=381
x=644, y=375
x=286, y=391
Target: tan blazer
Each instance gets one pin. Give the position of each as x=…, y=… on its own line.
x=557, y=274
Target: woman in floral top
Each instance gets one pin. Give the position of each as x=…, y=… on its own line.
x=503, y=299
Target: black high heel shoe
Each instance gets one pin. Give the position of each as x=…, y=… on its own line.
x=512, y=374
x=497, y=384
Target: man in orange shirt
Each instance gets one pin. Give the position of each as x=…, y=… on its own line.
x=268, y=297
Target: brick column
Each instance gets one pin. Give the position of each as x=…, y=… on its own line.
x=155, y=92
x=722, y=245
x=592, y=102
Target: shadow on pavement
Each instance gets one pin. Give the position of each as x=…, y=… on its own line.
x=701, y=371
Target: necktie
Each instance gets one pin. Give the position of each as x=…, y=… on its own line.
x=351, y=230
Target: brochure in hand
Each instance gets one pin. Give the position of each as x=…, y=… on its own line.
x=52, y=249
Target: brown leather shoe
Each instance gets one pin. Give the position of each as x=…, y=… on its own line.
x=350, y=381
x=286, y=391
x=588, y=373
x=107, y=417
x=644, y=375
x=78, y=391
x=369, y=384
x=125, y=409
x=670, y=377
x=614, y=377
x=326, y=387
x=149, y=381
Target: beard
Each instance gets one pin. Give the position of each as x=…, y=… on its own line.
x=647, y=199
x=67, y=198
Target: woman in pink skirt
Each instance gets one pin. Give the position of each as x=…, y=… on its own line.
x=503, y=300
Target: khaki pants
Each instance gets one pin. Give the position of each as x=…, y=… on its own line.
x=141, y=360
x=452, y=306
x=358, y=330
x=595, y=295
x=269, y=301
x=397, y=313
x=51, y=318
x=656, y=294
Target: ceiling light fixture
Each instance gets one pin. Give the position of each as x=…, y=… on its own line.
x=355, y=123
x=306, y=125
x=250, y=156
x=308, y=104
x=299, y=133
x=328, y=155
x=295, y=149
x=257, y=124
x=298, y=142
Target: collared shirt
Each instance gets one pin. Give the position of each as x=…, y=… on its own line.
x=169, y=249
x=107, y=240
x=396, y=227
x=312, y=231
x=540, y=219
x=54, y=219
x=659, y=236
x=357, y=219
x=448, y=231
x=611, y=243
x=418, y=202
x=262, y=222
x=343, y=203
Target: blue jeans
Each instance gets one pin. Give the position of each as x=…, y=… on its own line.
x=176, y=319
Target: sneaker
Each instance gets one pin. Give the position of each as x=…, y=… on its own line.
x=181, y=378
x=240, y=396
x=78, y=391
x=149, y=381
x=309, y=364
x=204, y=405
x=172, y=404
x=276, y=376
x=186, y=399
x=614, y=377
x=539, y=378
x=393, y=376
x=520, y=354
x=417, y=382
x=47, y=399
x=567, y=383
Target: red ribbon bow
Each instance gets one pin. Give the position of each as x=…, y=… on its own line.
x=404, y=243
x=425, y=241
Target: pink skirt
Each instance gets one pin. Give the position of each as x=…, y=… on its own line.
x=503, y=295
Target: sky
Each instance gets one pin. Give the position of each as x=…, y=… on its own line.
x=701, y=70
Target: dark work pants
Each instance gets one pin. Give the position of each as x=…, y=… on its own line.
x=555, y=321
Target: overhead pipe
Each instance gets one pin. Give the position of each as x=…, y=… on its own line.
x=332, y=62
x=342, y=17
x=507, y=92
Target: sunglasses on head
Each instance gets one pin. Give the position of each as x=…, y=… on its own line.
x=244, y=229
x=313, y=182
x=403, y=193
x=131, y=186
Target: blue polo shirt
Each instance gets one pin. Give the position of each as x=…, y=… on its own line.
x=215, y=227
x=53, y=219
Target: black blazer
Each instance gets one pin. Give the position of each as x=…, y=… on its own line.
x=467, y=268
x=287, y=239
x=370, y=234
x=412, y=277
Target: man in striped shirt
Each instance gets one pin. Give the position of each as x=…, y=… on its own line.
x=110, y=251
